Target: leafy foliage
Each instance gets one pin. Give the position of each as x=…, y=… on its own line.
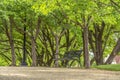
x=47, y=20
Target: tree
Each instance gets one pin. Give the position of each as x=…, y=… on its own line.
x=54, y=27
x=7, y=22
x=98, y=40
x=82, y=19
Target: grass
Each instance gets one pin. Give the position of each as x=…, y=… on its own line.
x=111, y=67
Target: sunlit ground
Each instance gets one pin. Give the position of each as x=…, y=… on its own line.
x=43, y=73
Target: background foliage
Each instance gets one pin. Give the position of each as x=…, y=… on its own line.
x=54, y=27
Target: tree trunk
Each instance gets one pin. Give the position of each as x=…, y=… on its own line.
x=10, y=37
x=12, y=48
x=33, y=42
x=33, y=45
x=85, y=47
x=24, y=48
x=96, y=42
x=57, y=51
x=114, y=52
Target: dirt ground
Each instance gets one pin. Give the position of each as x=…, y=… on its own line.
x=42, y=73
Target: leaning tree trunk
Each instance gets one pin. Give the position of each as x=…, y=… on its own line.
x=114, y=52
x=10, y=37
x=33, y=42
x=85, y=47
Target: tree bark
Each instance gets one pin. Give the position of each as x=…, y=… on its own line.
x=33, y=42
x=12, y=48
x=85, y=47
x=96, y=42
x=57, y=51
x=9, y=31
x=34, y=57
x=114, y=52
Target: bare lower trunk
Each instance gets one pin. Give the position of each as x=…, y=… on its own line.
x=34, y=58
x=12, y=43
x=13, y=53
x=85, y=47
x=57, y=51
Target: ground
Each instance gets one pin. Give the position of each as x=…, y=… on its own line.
x=43, y=73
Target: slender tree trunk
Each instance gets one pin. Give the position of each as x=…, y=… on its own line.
x=85, y=47
x=57, y=39
x=24, y=47
x=57, y=51
x=12, y=48
x=33, y=42
x=34, y=57
x=10, y=37
x=12, y=43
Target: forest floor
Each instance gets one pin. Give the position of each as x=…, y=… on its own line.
x=44, y=73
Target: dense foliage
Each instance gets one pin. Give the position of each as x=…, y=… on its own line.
x=39, y=32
